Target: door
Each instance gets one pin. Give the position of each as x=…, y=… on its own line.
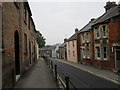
x=30, y=52
x=117, y=58
x=17, y=58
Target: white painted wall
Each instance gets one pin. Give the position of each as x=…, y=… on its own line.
x=55, y=48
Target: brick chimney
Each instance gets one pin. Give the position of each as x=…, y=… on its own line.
x=65, y=40
x=76, y=30
x=109, y=5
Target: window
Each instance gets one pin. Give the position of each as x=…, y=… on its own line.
x=98, y=52
x=88, y=52
x=73, y=53
x=69, y=52
x=25, y=14
x=104, y=31
x=73, y=43
x=97, y=33
x=105, y=52
x=25, y=43
x=68, y=43
x=83, y=52
x=29, y=21
x=87, y=36
x=83, y=37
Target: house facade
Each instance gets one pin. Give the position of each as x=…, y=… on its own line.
x=55, y=53
x=18, y=41
x=46, y=51
x=100, y=41
x=72, y=47
x=106, y=38
x=63, y=50
x=86, y=44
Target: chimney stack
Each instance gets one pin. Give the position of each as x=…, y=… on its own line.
x=76, y=30
x=65, y=40
x=109, y=5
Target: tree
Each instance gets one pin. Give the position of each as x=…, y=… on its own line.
x=40, y=40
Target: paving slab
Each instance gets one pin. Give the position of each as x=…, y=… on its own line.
x=39, y=76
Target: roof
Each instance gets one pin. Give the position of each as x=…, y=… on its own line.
x=88, y=26
x=47, y=48
x=113, y=12
x=73, y=37
x=62, y=45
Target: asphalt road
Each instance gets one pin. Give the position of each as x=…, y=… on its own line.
x=82, y=79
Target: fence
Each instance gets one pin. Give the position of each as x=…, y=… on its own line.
x=60, y=77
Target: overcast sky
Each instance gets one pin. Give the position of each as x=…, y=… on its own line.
x=57, y=20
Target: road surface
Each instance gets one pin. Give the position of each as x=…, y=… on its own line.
x=80, y=78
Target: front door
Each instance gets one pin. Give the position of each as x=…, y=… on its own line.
x=17, y=58
x=117, y=57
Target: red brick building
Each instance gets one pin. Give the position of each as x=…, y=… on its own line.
x=106, y=38
x=18, y=41
x=100, y=41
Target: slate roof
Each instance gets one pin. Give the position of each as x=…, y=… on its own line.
x=113, y=12
x=47, y=48
x=73, y=37
x=63, y=45
x=87, y=27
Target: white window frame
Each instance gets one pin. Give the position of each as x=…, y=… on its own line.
x=105, y=53
x=87, y=37
x=83, y=38
x=98, y=58
x=83, y=52
x=105, y=31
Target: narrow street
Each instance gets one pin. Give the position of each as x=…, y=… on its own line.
x=39, y=76
x=82, y=79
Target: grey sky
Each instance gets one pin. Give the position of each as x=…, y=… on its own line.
x=57, y=20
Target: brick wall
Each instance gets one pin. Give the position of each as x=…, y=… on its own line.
x=13, y=21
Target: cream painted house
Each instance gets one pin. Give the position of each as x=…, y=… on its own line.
x=72, y=54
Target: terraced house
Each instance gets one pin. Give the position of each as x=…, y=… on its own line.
x=106, y=38
x=19, y=46
x=86, y=43
x=72, y=47
x=98, y=42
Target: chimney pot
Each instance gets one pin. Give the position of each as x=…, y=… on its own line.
x=109, y=5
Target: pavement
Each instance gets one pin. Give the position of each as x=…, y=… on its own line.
x=39, y=76
x=106, y=74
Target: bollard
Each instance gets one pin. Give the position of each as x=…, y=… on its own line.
x=51, y=64
x=55, y=72
x=67, y=82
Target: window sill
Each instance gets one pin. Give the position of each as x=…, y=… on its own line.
x=104, y=36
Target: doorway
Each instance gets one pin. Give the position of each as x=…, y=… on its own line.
x=17, y=57
x=117, y=58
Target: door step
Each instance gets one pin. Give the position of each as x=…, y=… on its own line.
x=17, y=77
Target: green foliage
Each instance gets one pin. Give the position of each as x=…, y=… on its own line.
x=40, y=40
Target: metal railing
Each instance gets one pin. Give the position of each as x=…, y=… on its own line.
x=60, y=77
